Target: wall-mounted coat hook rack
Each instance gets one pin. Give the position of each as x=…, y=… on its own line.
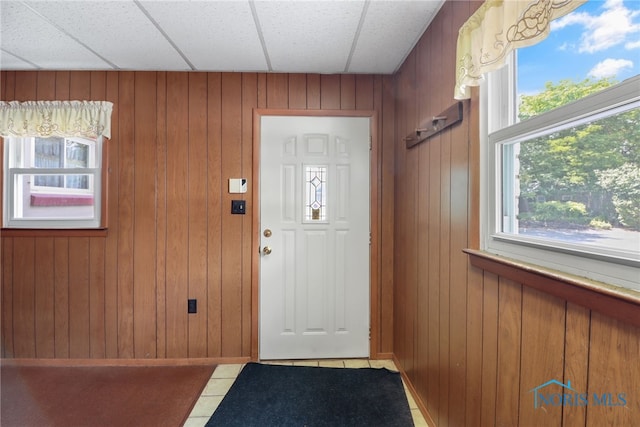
x=449, y=117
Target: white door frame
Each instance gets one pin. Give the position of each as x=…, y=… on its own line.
x=374, y=261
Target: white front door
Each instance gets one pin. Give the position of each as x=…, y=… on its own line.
x=314, y=231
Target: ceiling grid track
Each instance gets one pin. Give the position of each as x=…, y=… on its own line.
x=165, y=35
x=66, y=33
x=256, y=20
x=356, y=36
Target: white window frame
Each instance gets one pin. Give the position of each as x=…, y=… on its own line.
x=497, y=127
x=12, y=216
x=91, y=144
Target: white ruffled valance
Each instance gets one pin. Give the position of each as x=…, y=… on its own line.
x=498, y=27
x=55, y=118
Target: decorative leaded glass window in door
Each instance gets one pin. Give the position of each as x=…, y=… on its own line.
x=315, y=184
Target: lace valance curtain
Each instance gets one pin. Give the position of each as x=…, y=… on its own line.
x=498, y=27
x=55, y=118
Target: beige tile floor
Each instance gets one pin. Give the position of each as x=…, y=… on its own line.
x=224, y=376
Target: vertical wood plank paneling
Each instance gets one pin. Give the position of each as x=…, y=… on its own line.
x=126, y=201
x=374, y=227
x=46, y=86
x=576, y=359
x=297, y=91
x=249, y=103
x=7, y=85
x=119, y=307
x=403, y=326
x=399, y=333
x=26, y=86
x=330, y=91
x=79, y=85
x=262, y=90
x=277, y=90
x=63, y=83
x=424, y=374
x=543, y=325
x=347, y=92
x=232, y=224
x=44, y=297
x=61, y=285
x=98, y=85
x=490, y=306
x=24, y=298
x=313, y=91
x=438, y=339
x=144, y=211
x=214, y=235
x=366, y=94
x=23, y=257
x=508, y=386
x=614, y=373
x=423, y=371
x=387, y=113
x=79, y=297
x=474, y=347
x=161, y=214
x=7, y=298
x=198, y=213
x=97, y=245
x=177, y=214
x=457, y=191
x=97, y=340
x=111, y=243
x=411, y=274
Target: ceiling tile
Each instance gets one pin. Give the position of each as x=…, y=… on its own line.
x=309, y=36
x=392, y=42
x=213, y=35
x=109, y=26
x=11, y=62
x=28, y=36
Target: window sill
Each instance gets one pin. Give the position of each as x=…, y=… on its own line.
x=63, y=232
x=616, y=302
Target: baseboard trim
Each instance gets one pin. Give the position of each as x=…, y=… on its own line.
x=381, y=356
x=421, y=406
x=125, y=362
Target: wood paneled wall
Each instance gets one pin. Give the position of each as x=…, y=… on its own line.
x=176, y=140
x=474, y=344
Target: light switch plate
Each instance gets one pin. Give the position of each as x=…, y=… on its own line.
x=237, y=185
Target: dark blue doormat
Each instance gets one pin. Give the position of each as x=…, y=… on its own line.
x=302, y=396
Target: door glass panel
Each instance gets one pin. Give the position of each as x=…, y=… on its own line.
x=315, y=208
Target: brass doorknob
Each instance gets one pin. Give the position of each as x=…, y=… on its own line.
x=266, y=250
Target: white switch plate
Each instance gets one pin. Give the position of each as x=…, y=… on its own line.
x=237, y=185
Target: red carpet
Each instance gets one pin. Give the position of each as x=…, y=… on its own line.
x=99, y=396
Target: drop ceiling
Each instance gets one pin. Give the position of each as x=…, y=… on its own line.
x=330, y=36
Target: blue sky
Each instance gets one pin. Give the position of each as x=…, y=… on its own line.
x=599, y=39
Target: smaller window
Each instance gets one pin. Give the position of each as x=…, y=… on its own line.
x=52, y=182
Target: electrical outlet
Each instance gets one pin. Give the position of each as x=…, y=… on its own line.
x=192, y=306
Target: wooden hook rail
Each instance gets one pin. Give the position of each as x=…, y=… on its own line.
x=437, y=124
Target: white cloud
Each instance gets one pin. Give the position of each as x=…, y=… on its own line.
x=613, y=26
x=609, y=68
x=632, y=45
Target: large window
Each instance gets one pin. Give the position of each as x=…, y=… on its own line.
x=52, y=182
x=563, y=148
